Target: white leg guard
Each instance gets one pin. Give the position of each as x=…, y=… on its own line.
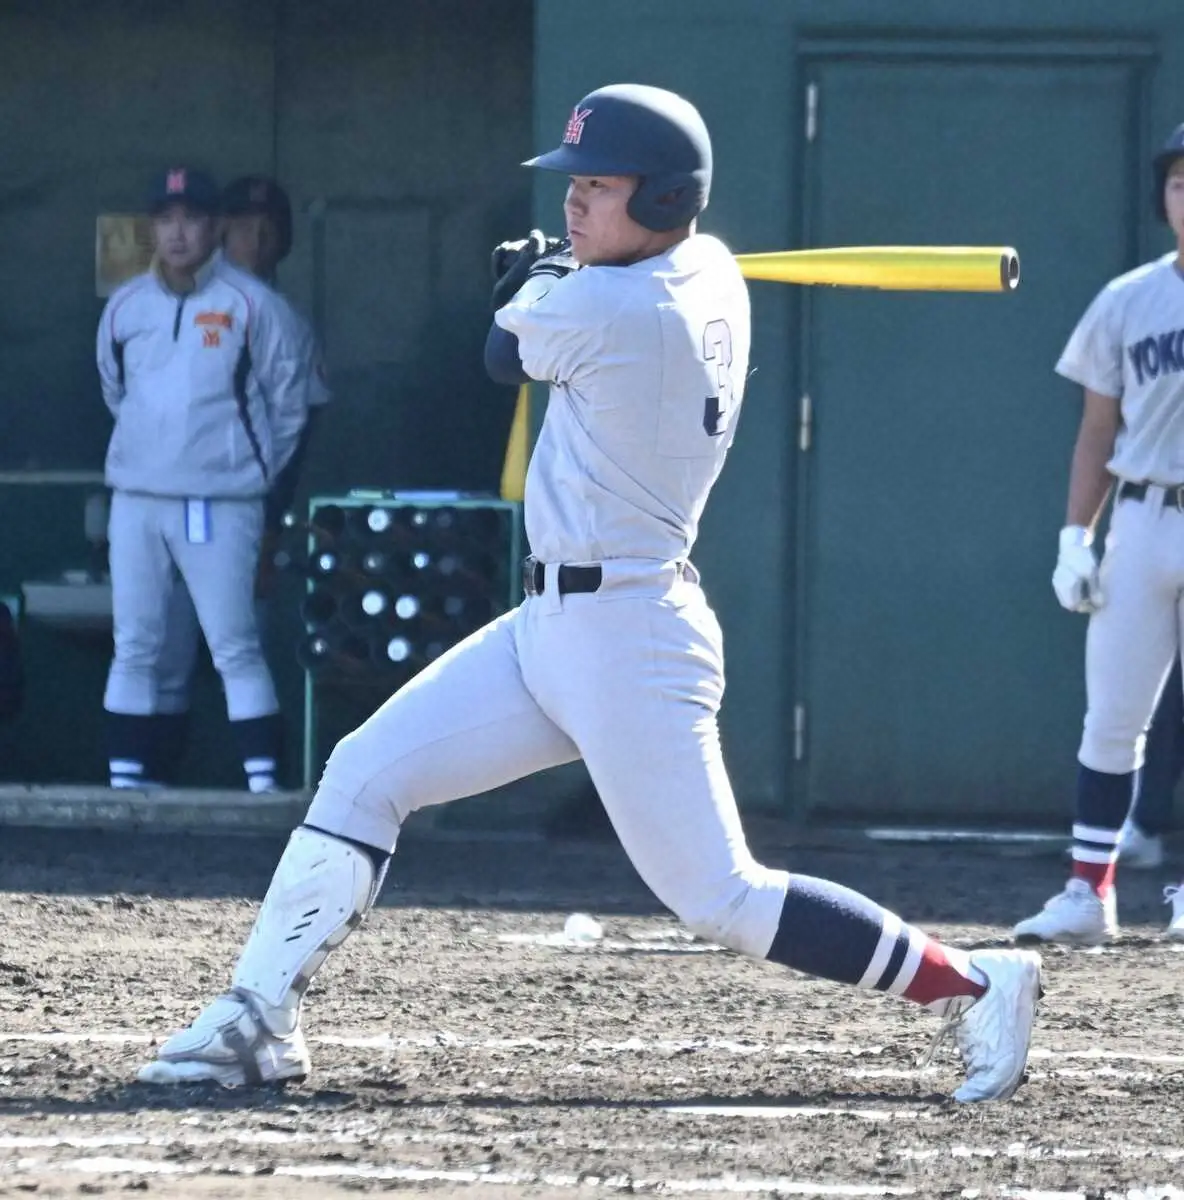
x=321, y=890
x=251, y=1035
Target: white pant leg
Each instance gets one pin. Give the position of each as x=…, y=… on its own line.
x=220, y=576
x=142, y=580
x=463, y=725
x=1133, y=638
x=178, y=653
x=637, y=683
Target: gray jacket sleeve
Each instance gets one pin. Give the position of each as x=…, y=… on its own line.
x=109, y=355
x=276, y=358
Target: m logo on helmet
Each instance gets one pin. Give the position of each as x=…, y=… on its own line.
x=174, y=184
x=575, y=126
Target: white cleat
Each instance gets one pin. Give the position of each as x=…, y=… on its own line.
x=1174, y=896
x=1078, y=916
x=230, y=1045
x=1138, y=850
x=995, y=1033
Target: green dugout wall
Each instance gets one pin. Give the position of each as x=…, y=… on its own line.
x=880, y=546
x=397, y=128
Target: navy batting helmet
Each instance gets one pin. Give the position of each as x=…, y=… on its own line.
x=259, y=194
x=632, y=129
x=1173, y=149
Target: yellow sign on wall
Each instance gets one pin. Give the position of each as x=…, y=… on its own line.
x=123, y=248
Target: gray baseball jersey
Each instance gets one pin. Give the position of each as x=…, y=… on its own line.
x=647, y=365
x=1130, y=345
x=208, y=390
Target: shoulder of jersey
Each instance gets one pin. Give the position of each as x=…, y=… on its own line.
x=128, y=286
x=1141, y=274
x=245, y=281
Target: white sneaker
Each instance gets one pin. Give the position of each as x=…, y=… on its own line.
x=1138, y=850
x=228, y=1044
x=995, y=1033
x=1174, y=896
x=1078, y=916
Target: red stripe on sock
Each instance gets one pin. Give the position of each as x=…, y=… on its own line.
x=1099, y=876
x=938, y=979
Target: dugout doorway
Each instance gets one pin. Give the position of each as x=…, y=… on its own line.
x=935, y=675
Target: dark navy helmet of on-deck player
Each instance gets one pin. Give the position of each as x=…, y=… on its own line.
x=1173, y=149
x=632, y=129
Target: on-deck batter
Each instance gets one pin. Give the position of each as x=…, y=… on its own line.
x=615, y=656
x=1127, y=352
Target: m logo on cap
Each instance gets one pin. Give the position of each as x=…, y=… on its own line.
x=575, y=126
x=174, y=184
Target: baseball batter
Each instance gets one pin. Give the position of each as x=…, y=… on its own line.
x=1127, y=352
x=256, y=238
x=615, y=656
x=202, y=374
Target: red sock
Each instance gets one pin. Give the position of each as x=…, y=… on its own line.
x=943, y=973
x=1099, y=876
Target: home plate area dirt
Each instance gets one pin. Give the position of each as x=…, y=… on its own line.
x=462, y=1046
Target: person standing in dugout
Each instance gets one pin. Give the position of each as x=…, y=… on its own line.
x=203, y=374
x=256, y=238
x=1127, y=353
x=642, y=331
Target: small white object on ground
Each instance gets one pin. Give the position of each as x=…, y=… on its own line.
x=579, y=927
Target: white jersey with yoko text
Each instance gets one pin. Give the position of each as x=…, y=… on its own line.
x=647, y=365
x=1130, y=345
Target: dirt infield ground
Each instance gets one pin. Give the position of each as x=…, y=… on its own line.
x=454, y=1056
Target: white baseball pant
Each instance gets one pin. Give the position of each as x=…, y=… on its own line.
x=629, y=678
x=152, y=543
x=1133, y=639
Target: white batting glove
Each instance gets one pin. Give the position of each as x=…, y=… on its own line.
x=1075, y=579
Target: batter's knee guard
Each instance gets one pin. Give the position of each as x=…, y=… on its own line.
x=321, y=890
x=741, y=913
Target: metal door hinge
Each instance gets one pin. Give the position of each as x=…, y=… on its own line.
x=811, y=111
x=799, y=732
x=805, y=422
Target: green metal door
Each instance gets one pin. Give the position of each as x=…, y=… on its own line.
x=936, y=674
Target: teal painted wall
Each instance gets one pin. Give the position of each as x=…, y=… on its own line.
x=745, y=64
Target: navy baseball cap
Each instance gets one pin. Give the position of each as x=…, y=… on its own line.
x=183, y=185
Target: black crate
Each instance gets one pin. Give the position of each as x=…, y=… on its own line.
x=394, y=580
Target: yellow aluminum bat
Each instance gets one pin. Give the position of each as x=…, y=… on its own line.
x=892, y=268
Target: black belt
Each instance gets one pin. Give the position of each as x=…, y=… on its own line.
x=1173, y=494
x=571, y=579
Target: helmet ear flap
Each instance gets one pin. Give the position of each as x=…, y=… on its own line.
x=666, y=201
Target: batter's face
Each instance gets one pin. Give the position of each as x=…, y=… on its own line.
x=1173, y=199
x=601, y=230
x=185, y=237
x=252, y=242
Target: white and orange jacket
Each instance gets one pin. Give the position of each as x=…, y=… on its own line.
x=210, y=390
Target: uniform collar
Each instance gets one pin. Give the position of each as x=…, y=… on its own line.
x=201, y=277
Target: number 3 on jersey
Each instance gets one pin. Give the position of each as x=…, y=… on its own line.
x=717, y=349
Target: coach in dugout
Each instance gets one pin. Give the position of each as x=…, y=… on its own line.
x=203, y=372
x=256, y=238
